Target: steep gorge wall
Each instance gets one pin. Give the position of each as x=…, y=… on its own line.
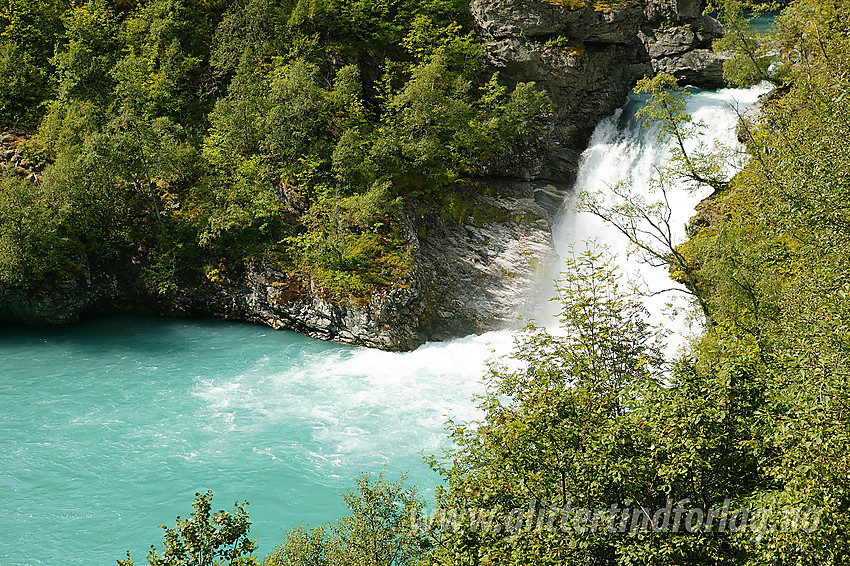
x=587, y=60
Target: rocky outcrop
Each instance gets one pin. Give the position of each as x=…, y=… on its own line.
x=685, y=52
x=99, y=286
x=587, y=60
x=476, y=276
x=470, y=276
x=261, y=293
x=697, y=67
x=12, y=156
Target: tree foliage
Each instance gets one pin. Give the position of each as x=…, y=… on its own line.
x=751, y=53
x=755, y=411
x=594, y=419
x=32, y=242
x=29, y=31
x=186, y=133
x=205, y=538
x=769, y=269
x=282, y=130
x=378, y=530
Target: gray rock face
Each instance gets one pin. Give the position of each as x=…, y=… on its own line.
x=686, y=54
x=587, y=60
x=534, y=19
x=479, y=277
x=99, y=287
x=700, y=67
x=669, y=43
x=260, y=293
x=658, y=12
x=468, y=277
x=511, y=18
x=59, y=304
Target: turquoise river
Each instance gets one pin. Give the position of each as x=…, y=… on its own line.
x=108, y=428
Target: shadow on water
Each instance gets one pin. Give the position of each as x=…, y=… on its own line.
x=139, y=336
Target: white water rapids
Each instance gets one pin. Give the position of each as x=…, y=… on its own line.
x=360, y=410
x=412, y=393
x=621, y=150
x=380, y=407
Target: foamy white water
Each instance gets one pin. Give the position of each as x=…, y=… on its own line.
x=623, y=151
x=363, y=407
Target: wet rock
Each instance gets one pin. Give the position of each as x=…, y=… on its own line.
x=469, y=276
x=700, y=67
x=483, y=276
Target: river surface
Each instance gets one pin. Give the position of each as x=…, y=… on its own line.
x=107, y=429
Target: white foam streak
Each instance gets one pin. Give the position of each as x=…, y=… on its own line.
x=354, y=409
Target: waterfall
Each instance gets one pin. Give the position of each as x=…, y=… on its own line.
x=622, y=150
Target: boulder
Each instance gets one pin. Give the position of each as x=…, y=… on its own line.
x=701, y=68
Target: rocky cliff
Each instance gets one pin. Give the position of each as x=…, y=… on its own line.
x=472, y=275
x=587, y=60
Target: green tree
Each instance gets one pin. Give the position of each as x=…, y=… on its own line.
x=666, y=110
x=205, y=538
x=305, y=161
x=437, y=128
x=752, y=53
x=165, y=68
x=84, y=63
x=29, y=32
x=32, y=241
x=768, y=260
x=378, y=531
x=567, y=427
x=645, y=217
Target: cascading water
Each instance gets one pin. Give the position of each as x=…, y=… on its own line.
x=109, y=428
x=624, y=152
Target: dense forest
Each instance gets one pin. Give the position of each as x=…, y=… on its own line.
x=186, y=133
x=189, y=130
